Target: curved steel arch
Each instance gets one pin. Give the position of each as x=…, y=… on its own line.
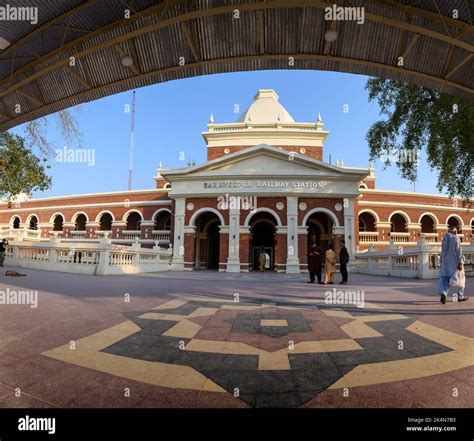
x=438, y=51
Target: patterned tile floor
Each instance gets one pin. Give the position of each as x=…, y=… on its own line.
x=182, y=340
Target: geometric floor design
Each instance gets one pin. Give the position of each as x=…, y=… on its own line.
x=280, y=354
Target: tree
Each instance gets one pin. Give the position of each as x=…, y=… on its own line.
x=417, y=119
x=21, y=171
x=36, y=135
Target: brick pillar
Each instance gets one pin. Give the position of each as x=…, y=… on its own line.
x=303, y=247
x=117, y=229
x=441, y=230
x=146, y=229
x=189, y=248
x=414, y=230
x=91, y=228
x=67, y=228
x=244, y=249
x=383, y=228
x=45, y=228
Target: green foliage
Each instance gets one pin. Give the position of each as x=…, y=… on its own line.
x=21, y=171
x=419, y=119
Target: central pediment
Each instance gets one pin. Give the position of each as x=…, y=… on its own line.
x=264, y=161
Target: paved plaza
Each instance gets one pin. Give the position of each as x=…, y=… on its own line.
x=209, y=339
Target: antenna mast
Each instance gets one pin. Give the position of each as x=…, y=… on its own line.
x=132, y=145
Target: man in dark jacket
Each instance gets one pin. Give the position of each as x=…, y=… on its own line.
x=343, y=260
x=315, y=262
x=3, y=246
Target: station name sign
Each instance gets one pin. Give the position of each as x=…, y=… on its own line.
x=282, y=184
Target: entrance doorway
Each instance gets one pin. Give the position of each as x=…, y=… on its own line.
x=262, y=236
x=320, y=228
x=207, y=246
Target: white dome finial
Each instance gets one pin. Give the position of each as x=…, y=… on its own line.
x=319, y=118
x=211, y=119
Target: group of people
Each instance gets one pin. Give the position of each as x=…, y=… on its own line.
x=317, y=256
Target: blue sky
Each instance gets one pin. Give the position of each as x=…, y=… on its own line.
x=171, y=116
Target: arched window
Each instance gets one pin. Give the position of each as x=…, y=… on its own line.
x=398, y=224
x=81, y=221
x=367, y=222
x=453, y=221
x=58, y=223
x=133, y=221
x=33, y=225
x=16, y=223
x=105, y=222
x=163, y=220
x=427, y=224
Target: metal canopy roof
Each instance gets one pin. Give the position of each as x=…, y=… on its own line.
x=175, y=39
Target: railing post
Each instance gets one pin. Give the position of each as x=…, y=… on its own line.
x=104, y=257
x=423, y=258
x=16, y=252
x=136, y=254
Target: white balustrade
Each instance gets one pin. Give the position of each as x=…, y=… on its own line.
x=131, y=234
x=421, y=261
x=368, y=236
x=161, y=235
x=100, y=257
x=431, y=237
x=400, y=237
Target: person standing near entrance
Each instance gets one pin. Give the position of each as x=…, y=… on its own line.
x=3, y=248
x=315, y=262
x=344, y=260
x=330, y=266
x=262, y=260
x=451, y=261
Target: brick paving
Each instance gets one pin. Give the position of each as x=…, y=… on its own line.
x=183, y=341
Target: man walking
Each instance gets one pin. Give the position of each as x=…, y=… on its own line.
x=451, y=261
x=344, y=260
x=330, y=266
x=315, y=262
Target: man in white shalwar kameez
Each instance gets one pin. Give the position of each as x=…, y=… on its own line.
x=451, y=261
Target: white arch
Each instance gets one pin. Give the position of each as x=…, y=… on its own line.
x=75, y=216
x=364, y=186
x=335, y=221
x=196, y=214
x=430, y=215
x=51, y=219
x=402, y=213
x=129, y=212
x=209, y=223
x=318, y=224
x=262, y=210
x=14, y=217
x=28, y=219
x=264, y=221
x=159, y=211
x=461, y=223
x=97, y=219
x=372, y=212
